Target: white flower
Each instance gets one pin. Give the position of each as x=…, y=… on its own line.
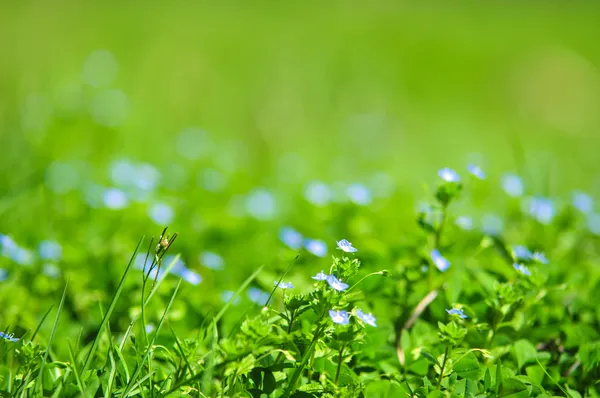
x=449, y=175
x=346, y=246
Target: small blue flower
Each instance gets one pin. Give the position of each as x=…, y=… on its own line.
x=593, y=223
x=369, y=319
x=359, y=194
x=346, y=246
x=261, y=204
x=492, y=224
x=161, y=213
x=191, y=277
x=539, y=257
x=512, y=185
x=476, y=171
x=439, y=261
x=541, y=209
x=464, y=222
x=318, y=193
x=51, y=270
x=212, y=260
x=258, y=296
x=336, y=284
x=291, y=238
x=321, y=276
x=583, y=202
x=449, y=175
x=8, y=336
x=521, y=253
x=3, y=274
x=50, y=250
x=115, y=199
x=227, y=295
x=316, y=247
x=522, y=269
x=150, y=328
x=458, y=312
x=284, y=285
x=339, y=317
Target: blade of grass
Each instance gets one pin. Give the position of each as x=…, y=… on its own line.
x=140, y=366
x=80, y=384
x=111, y=308
x=47, y=353
x=39, y=326
x=180, y=348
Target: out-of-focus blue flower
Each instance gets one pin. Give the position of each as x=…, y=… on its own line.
x=492, y=224
x=227, y=295
x=522, y=269
x=458, y=312
x=50, y=250
x=476, y=171
x=51, y=270
x=261, y=204
x=541, y=209
x=359, y=194
x=521, y=253
x=318, y=193
x=140, y=262
x=258, y=296
x=539, y=257
x=191, y=276
x=8, y=336
x=464, y=222
x=593, y=223
x=369, y=319
x=212, y=260
x=336, y=284
x=449, y=175
x=339, y=317
x=583, y=202
x=22, y=256
x=439, y=261
x=424, y=268
x=3, y=274
x=291, y=238
x=321, y=276
x=512, y=185
x=212, y=180
x=346, y=246
x=161, y=213
x=115, y=199
x=122, y=173
x=284, y=285
x=147, y=177
x=316, y=247
x=150, y=327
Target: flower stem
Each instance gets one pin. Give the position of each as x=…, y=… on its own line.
x=443, y=366
x=339, y=367
x=363, y=278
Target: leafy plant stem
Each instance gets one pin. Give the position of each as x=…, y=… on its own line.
x=439, y=384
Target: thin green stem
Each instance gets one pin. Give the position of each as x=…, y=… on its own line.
x=339, y=367
x=365, y=277
x=438, y=232
x=443, y=366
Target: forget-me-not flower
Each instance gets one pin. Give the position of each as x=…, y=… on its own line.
x=439, y=261
x=50, y=250
x=369, y=319
x=8, y=336
x=291, y=238
x=541, y=209
x=458, y=312
x=476, y=171
x=212, y=260
x=3, y=274
x=318, y=193
x=283, y=285
x=583, y=202
x=492, y=224
x=346, y=246
x=339, y=317
x=512, y=185
x=522, y=253
x=191, y=277
x=321, y=276
x=522, y=269
x=115, y=199
x=258, y=296
x=539, y=257
x=359, y=194
x=336, y=284
x=464, y=222
x=316, y=247
x=227, y=295
x=449, y=175
x=593, y=223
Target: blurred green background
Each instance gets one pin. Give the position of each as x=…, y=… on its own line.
x=280, y=94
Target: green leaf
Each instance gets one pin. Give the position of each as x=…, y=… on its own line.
x=269, y=382
x=513, y=388
x=487, y=380
x=385, y=389
x=524, y=351
x=468, y=367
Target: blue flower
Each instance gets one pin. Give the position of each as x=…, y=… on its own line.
x=476, y=171
x=316, y=247
x=449, y=175
x=492, y=224
x=539, y=257
x=191, y=276
x=439, y=261
x=369, y=319
x=339, y=317
x=50, y=250
x=227, y=295
x=212, y=260
x=291, y=238
x=3, y=274
x=522, y=269
x=51, y=270
x=10, y=337
x=464, y=222
x=161, y=213
x=336, y=284
x=458, y=312
x=512, y=185
x=261, y=204
x=258, y=296
x=318, y=193
x=359, y=194
x=321, y=276
x=541, y=209
x=115, y=199
x=593, y=223
x=346, y=246
x=521, y=253
x=583, y=202
x=284, y=285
